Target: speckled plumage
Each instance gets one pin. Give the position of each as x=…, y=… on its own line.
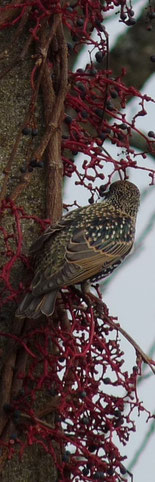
x=88, y=243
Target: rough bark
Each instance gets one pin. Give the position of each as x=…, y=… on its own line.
x=38, y=191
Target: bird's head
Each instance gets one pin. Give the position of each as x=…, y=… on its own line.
x=124, y=195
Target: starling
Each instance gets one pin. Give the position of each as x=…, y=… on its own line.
x=87, y=243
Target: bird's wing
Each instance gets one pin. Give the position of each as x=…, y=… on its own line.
x=52, y=230
x=107, y=237
x=47, y=234
x=93, y=257
x=85, y=256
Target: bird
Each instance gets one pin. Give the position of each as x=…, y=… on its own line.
x=87, y=243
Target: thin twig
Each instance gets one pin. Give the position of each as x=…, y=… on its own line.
x=54, y=121
x=7, y=13
x=128, y=337
x=25, y=180
x=103, y=313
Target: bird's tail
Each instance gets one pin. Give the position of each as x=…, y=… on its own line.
x=34, y=306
